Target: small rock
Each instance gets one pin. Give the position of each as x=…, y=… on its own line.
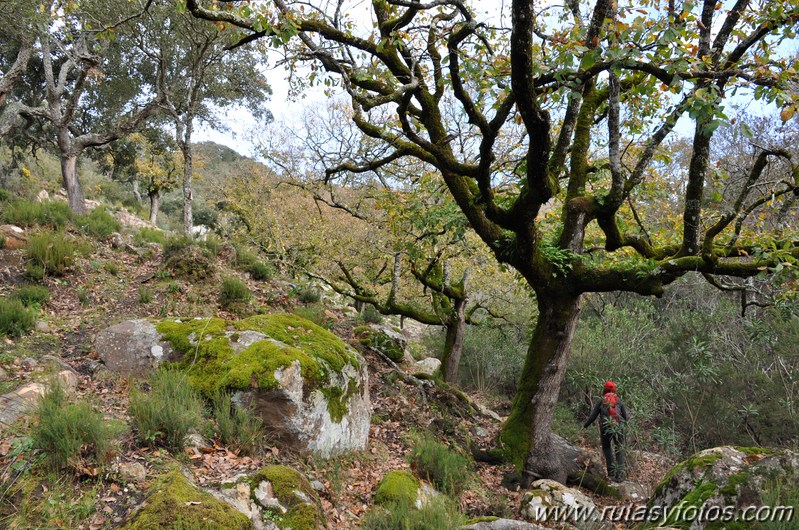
x=42, y=326
x=318, y=486
x=426, y=366
x=546, y=494
x=480, y=432
x=42, y=196
x=632, y=491
x=29, y=363
x=15, y=237
x=68, y=380
x=130, y=472
x=196, y=440
x=3, y=375
x=117, y=241
x=15, y=404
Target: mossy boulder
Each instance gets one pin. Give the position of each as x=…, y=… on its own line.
x=397, y=487
x=173, y=503
x=310, y=388
x=723, y=477
x=276, y=497
x=382, y=338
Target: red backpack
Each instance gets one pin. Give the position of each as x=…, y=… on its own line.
x=610, y=402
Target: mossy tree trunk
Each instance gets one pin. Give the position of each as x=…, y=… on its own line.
x=527, y=435
x=69, y=173
x=453, y=345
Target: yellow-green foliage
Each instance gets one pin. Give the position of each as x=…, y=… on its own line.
x=15, y=318
x=440, y=513
x=55, y=214
x=397, y=487
x=52, y=251
x=285, y=482
x=167, y=413
x=175, y=504
x=98, y=223
x=68, y=432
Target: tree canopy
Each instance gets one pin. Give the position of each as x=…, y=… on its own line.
x=548, y=129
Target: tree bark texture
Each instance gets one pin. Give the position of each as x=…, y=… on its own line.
x=453, y=345
x=188, y=197
x=69, y=172
x=155, y=200
x=527, y=435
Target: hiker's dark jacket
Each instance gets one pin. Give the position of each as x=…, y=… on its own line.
x=605, y=419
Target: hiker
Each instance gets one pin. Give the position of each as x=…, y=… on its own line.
x=612, y=416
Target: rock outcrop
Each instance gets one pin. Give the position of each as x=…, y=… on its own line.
x=731, y=478
x=132, y=347
x=15, y=237
x=547, y=496
x=275, y=498
x=174, y=502
x=309, y=387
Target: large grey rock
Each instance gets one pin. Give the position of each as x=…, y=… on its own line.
x=132, y=347
x=384, y=339
x=309, y=387
x=546, y=496
x=721, y=477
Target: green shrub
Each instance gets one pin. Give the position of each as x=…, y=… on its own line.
x=4, y=194
x=83, y=296
x=315, y=313
x=145, y=295
x=34, y=272
x=370, y=315
x=98, y=223
x=111, y=268
x=261, y=271
x=434, y=461
x=438, y=514
x=212, y=244
x=52, y=251
x=32, y=295
x=244, y=258
x=69, y=432
x=168, y=412
x=54, y=214
x=186, y=260
x=173, y=245
x=149, y=235
x=238, y=428
x=309, y=295
x=15, y=318
x=234, y=291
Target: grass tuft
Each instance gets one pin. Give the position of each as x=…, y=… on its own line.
x=434, y=461
x=168, y=412
x=51, y=251
x=98, y=223
x=67, y=433
x=32, y=295
x=234, y=291
x=238, y=427
x=15, y=318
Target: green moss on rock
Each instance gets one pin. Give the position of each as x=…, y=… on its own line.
x=175, y=504
x=205, y=353
x=285, y=482
x=693, y=463
x=397, y=487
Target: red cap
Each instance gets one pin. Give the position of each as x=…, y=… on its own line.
x=610, y=386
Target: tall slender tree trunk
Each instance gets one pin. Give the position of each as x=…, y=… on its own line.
x=453, y=345
x=188, y=197
x=155, y=200
x=69, y=172
x=136, y=191
x=527, y=434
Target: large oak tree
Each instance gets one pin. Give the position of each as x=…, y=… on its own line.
x=562, y=115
